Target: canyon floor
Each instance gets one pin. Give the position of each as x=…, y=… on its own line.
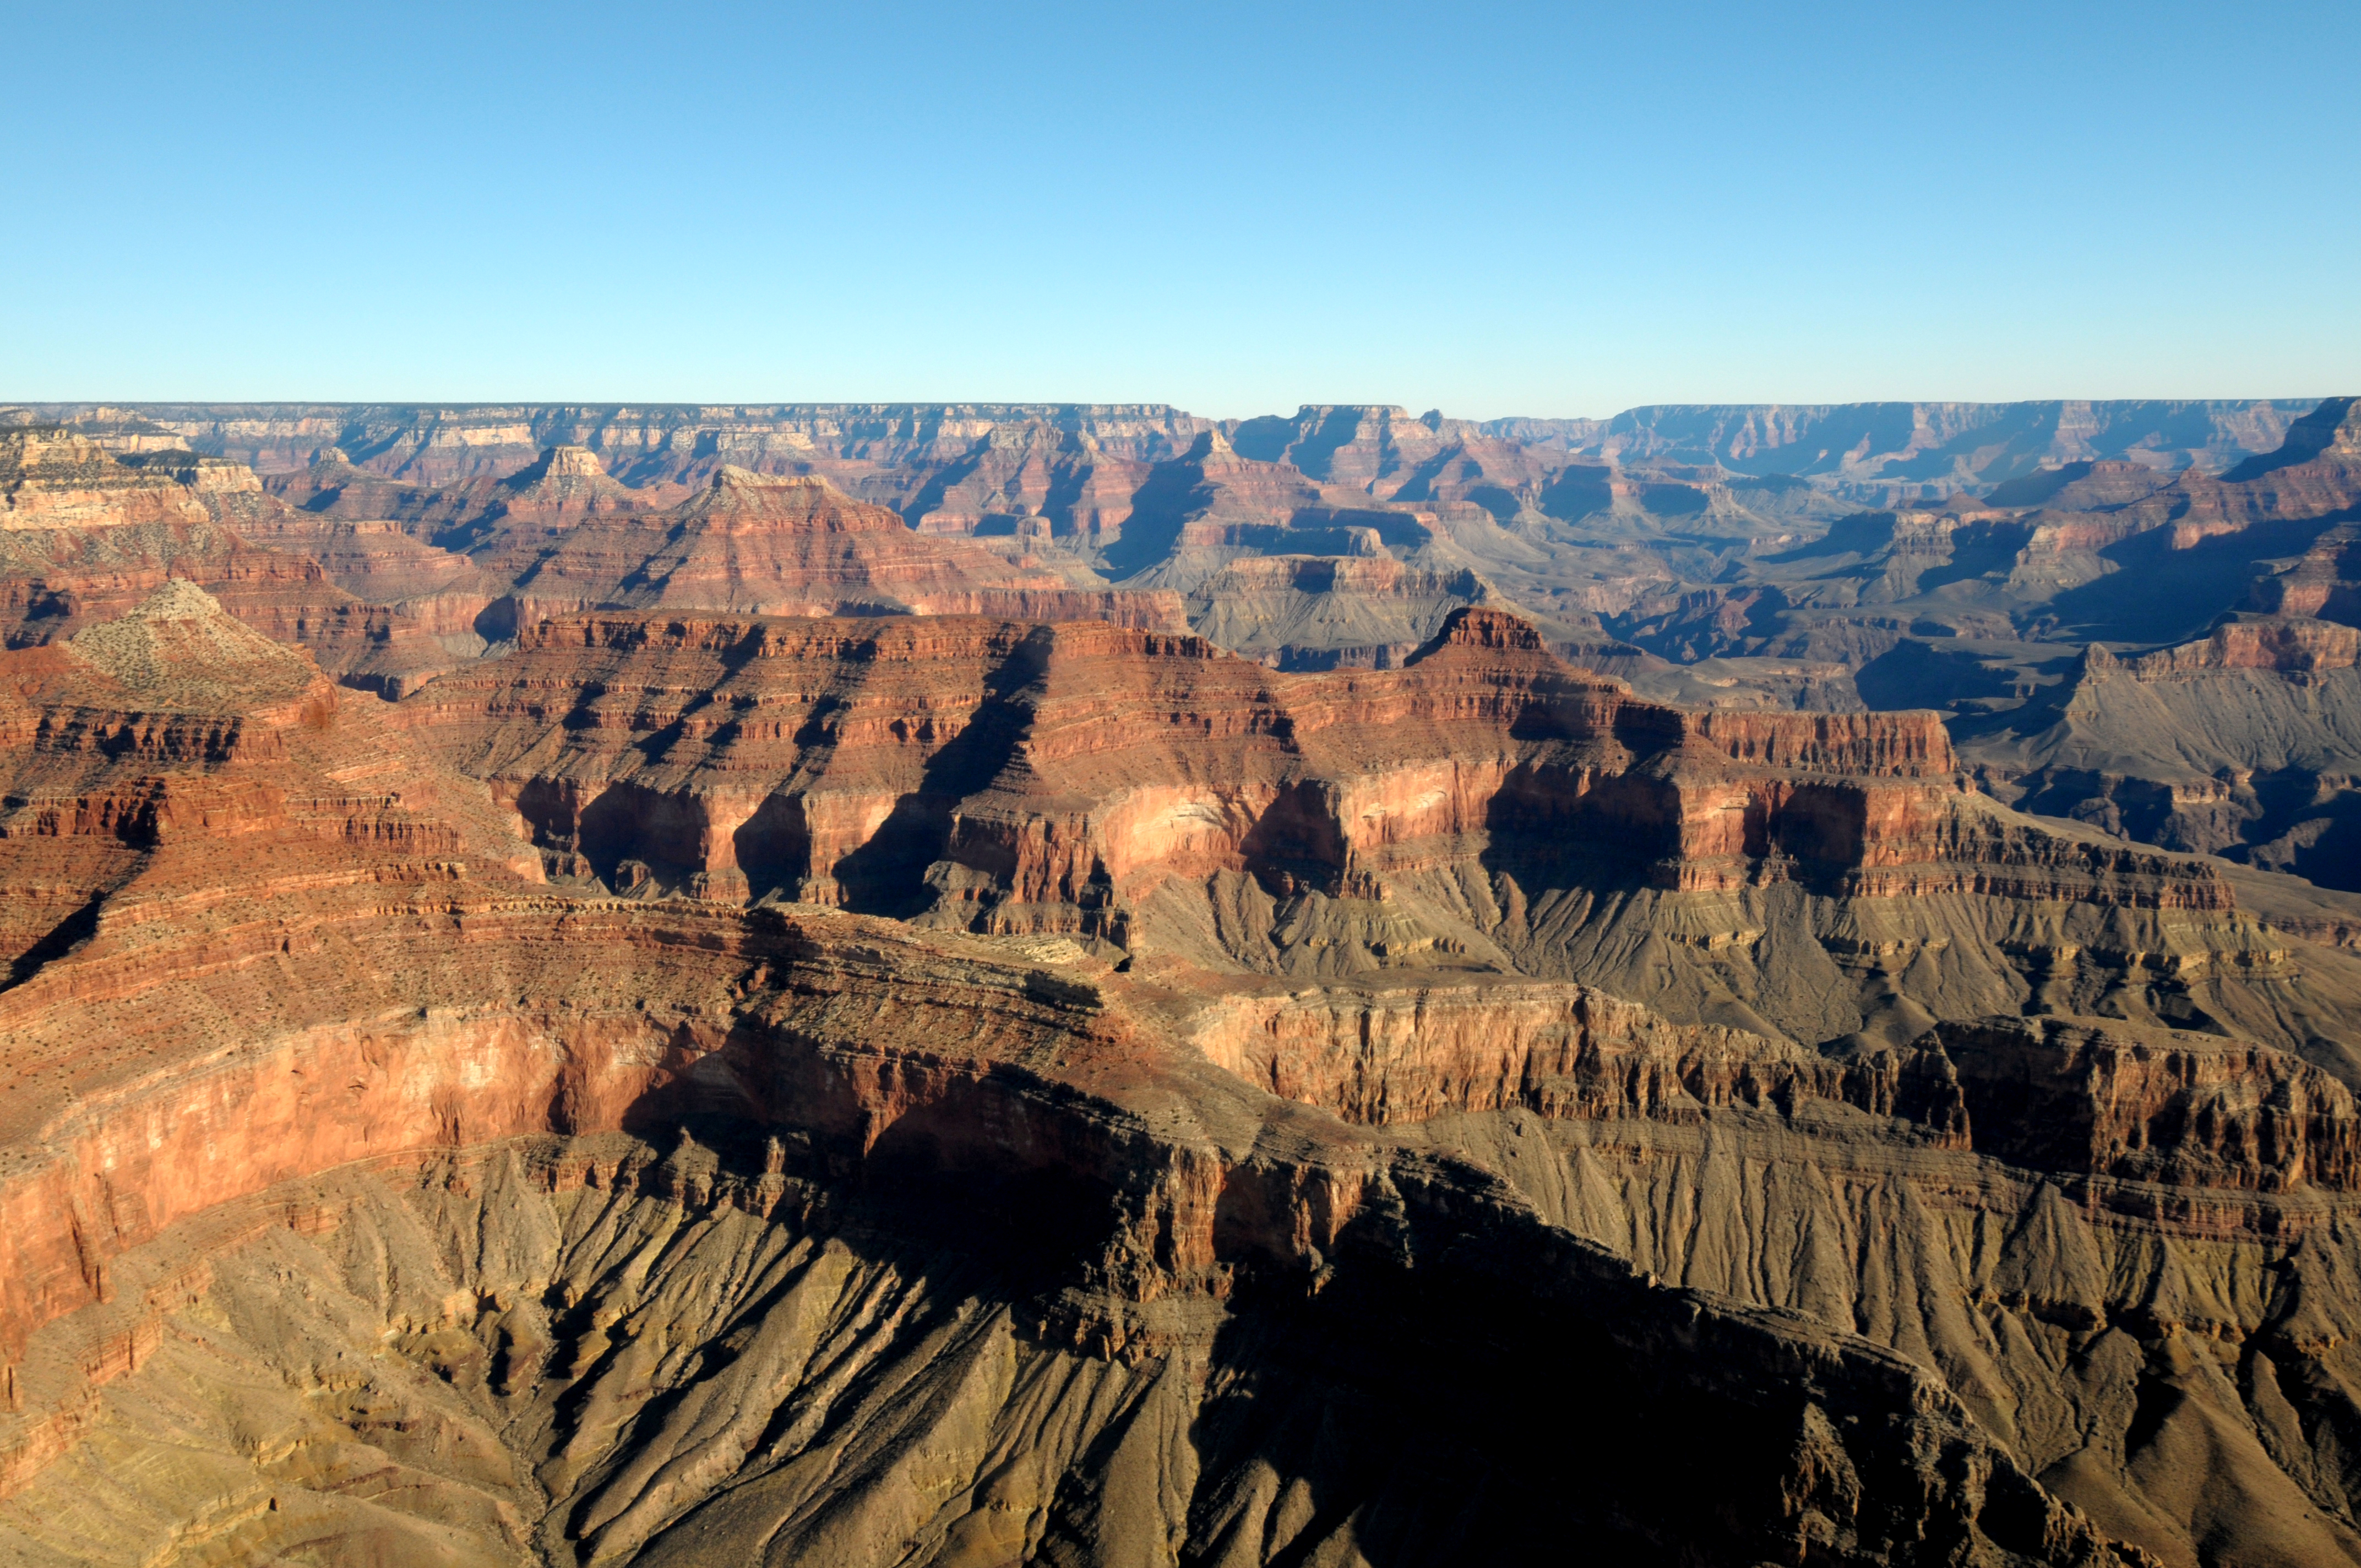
x=977, y=986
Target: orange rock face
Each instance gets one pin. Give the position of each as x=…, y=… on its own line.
x=2315, y=473
x=2280, y=645
x=387, y=1011
x=782, y=547
x=52, y=479
x=1053, y=777
x=2075, y=1097
x=86, y=537
x=2189, y=1110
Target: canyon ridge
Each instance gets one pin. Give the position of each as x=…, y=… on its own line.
x=971, y=984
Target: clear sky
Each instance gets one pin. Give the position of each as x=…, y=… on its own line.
x=1491, y=209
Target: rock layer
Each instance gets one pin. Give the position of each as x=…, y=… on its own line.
x=318, y=983
x=973, y=1086
x=1483, y=808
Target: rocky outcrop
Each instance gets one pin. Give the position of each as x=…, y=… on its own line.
x=332, y=486
x=2325, y=581
x=2186, y=1110
x=54, y=582
x=560, y=484
x=749, y=543
x=2239, y=745
x=564, y=484
x=1483, y=809
x=53, y=478
x=1555, y=516
x=881, y=1395
x=437, y=444
x=1485, y=726
x=1194, y=511
x=2315, y=472
x=1326, y=612
x=2232, y=730
x=1032, y=478
x=1564, y=1052
x=1570, y=523
x=2330, y=432
x=1485, y=730
x=95, y=533
x=1924, y=441
x=319, y=1012
x=391, y=586
x=2281, y=646
x=2086, y=1098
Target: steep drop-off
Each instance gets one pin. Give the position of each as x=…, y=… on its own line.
x=1484, y=808
x=367, y=1197
x=975, y=1086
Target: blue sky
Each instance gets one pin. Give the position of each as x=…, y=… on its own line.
x=1491, y=209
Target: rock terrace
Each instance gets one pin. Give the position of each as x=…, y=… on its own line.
x=800, y=1004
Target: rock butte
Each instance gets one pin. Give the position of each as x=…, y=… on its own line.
x=807, y=1036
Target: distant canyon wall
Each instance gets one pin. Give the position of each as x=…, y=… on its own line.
x=1889, y=442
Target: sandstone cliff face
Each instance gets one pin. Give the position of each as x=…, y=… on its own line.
x=2316, y=473
x=1483, y=808
x=95, y=534
x=2286, y=646
x=1902, y=441
x=320, y=959
x=370, y=1193
x=2238, y=745
x=1324, y=612
x=1566, y=520
x=2093, y=1228
x=2115, y=1331
x=390, y=584
x=657, y=444
x=1084, y=713
x=563, y=485
x=1560, y=1051
x=2081, y=1098
x=1925, y=441
x=55, y=479
x=2183, y=1109
x=2322, y=582
x=512, y=1124
x=753, y=544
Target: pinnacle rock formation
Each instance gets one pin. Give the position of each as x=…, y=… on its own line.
x=565, y=483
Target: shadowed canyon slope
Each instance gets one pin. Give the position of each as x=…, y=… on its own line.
x=385, y=1183
x=1087, y=985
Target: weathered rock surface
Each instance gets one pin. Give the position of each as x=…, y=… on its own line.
x=1483, y=808
x=367, y=1197
x=560, y=535
x=757, y=545
x=1326, y=612
x=1634, y=522
x=2242, y=744
x=87, y=536
x=1000, y=1084
x=1908, y=442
